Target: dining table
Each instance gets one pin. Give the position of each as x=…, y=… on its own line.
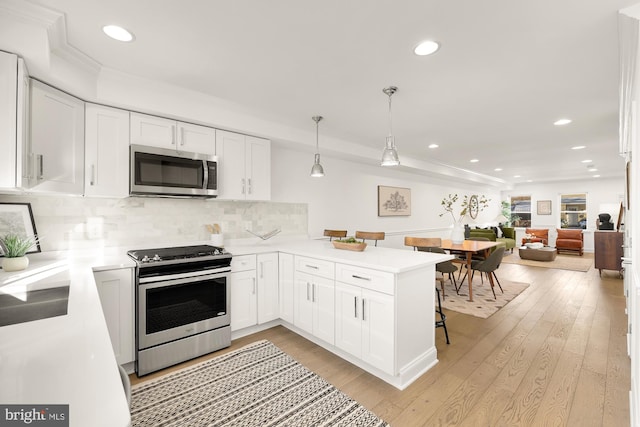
x=469, y=248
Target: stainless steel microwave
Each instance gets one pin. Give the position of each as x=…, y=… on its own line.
x=170, y=173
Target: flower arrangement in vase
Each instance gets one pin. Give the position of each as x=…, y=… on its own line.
x=15, y=248
x=470, y=206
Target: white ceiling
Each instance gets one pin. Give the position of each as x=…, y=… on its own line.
x=505, y=72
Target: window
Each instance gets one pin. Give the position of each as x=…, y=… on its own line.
x=521, y=211
x=573, y=211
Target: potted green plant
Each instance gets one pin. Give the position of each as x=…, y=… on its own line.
x=14, y=249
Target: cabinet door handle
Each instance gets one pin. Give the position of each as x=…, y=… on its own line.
x=315, y=267
x=361, y=277
x=243, y=190
x=248, y=185
x=40, y=160
x=355, y=307
x=254, y=286
x=181, y=136
x=173, y=134
x=93, y=175
x=363, y=309
x=307, y=291
x=313, y=292
x=262, y=270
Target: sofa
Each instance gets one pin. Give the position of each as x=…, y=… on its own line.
x=570, y=241
x=508, y=240
x=537, y=235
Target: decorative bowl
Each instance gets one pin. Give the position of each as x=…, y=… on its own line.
x=359, y=246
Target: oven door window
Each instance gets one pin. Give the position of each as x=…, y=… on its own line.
x=178, y=305
x=165, y=171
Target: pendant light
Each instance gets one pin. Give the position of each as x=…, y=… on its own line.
x=316, y=169
x=390, y=153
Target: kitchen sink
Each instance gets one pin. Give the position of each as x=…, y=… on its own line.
x=34, y=304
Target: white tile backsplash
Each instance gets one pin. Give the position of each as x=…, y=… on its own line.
x=66, y=223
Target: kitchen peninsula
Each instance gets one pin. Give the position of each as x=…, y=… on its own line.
x=373, y=308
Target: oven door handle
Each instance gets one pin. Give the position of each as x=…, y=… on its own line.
x=198, y=275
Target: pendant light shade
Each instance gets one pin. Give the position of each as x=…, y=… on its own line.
x=390, y=153
x=316, y=170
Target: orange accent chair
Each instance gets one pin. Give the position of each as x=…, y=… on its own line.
x=570, y=241
x=537, y=235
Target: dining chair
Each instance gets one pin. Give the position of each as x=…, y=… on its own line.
x=442, y=323
x=370, y=235
x=335, y=233
x=432, y=244
x=489, y=266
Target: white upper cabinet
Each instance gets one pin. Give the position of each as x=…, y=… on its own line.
x=244, y=166
x=57, y=140
x=166, y=133
x=14, y=87
x=106, y=151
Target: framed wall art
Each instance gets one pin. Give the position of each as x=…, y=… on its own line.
x=394, y=201
x=544, y=207
x=17, y=218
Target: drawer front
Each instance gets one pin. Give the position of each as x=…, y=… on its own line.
x=243, y=262
x=317, y=267
x=366, y=278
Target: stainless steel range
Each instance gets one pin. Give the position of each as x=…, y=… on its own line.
x=182, y=304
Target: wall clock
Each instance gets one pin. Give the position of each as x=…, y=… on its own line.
x=473, y=206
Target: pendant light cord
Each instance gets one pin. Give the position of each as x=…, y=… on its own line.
x=390, y=124
x=317, y=146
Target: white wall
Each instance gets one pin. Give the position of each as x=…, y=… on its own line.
x=347, y=196
x=601, y=193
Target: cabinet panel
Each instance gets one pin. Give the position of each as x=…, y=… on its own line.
x=286, y=284
x=303, y=309
x=348, y=323
x=258, y=168
x=243, y=262
x=268, y=297
x=243, y=299
x=196, y=138
x=608, y=250
x=115, y=288
x=378, y=330
x=324, y=317
x=153, y=131
x=106, y=151
x=365, y=277
x=8, y=118
x=316, y=267
x=57, y=139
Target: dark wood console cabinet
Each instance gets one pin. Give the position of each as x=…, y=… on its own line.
x=608, y=250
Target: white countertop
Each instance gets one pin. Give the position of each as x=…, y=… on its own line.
x=69, y=359
x=66, y=359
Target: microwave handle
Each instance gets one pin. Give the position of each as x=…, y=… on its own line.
x=205, y=177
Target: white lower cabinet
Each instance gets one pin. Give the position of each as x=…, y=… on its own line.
x=115, y=288
x=254, y=290
x=286, y=271
x=314, y=305
x=365, y=325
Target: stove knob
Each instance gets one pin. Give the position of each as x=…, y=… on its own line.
x=145, y=259
x=156, y=257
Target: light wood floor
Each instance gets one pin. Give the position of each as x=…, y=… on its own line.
x=556, y=355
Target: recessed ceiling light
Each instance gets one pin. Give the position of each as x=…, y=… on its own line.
x=587, y=161
x=433, y=145
x=593, y=170
x=578, y=147
x=596, y=176
x=516, y=176
x=117, y=33
x=529, y=180
x=427, y=47
x=498, y=169
x=474, y=160
x=562, y=122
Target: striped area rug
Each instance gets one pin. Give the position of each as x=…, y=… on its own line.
x=256, y=385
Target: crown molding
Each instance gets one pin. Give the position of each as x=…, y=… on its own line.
x=54, y=23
